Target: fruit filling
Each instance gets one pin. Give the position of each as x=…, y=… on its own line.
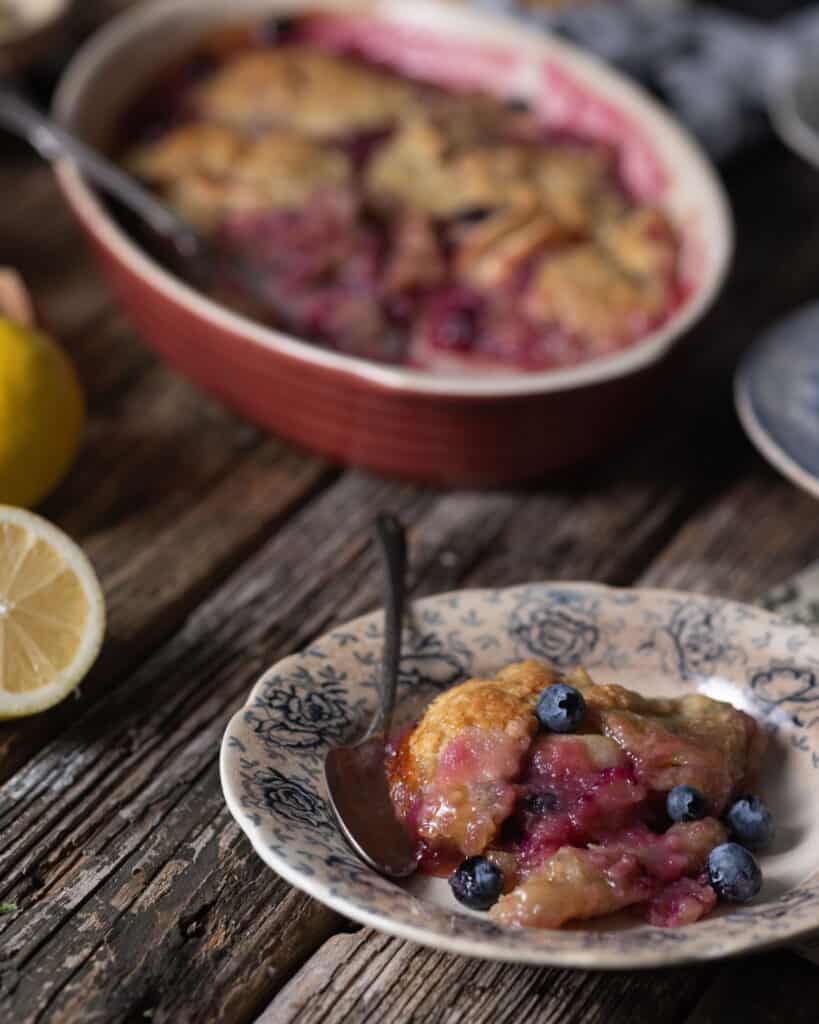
x=550, y=799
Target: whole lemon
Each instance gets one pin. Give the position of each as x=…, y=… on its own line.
x=42, y=412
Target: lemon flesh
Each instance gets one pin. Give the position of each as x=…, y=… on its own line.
x=42, y=412
x=52, y=614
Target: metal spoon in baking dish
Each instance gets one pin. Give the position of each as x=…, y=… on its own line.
x=199, y=260
x=356, y=776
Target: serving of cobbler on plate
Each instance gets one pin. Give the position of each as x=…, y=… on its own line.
x=549, y=798
x=395, y=220
x=562, y=815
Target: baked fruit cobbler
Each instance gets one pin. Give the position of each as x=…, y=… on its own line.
x=398, y=221
x=550, y=798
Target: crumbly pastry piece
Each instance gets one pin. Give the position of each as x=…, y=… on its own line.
x=692, y=740
x=578, y=184
x=641, y=240
x=577, y=884
x=609, y=288
x=503, y=705
x=434, y=165
x=455, y=159
x=574, y=194
x=452, y=774
x=491, y=252
x=527, y=198
x=321, y=95
x=208, y=171
x=198, y=147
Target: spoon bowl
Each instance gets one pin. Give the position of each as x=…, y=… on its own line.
x=356, y=775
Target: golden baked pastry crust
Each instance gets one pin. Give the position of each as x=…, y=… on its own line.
x=317, y=93
x=208, y=171
x=449, y=160
x=505, y=704
x=592, y=293
x=427, y=165
x=491, y=252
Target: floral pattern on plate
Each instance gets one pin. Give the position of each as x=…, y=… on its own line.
x=652, y=641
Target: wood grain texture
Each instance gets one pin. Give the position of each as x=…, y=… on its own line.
x=367, y=977
x=750, y=537
x=767, y=989
x=154, y=570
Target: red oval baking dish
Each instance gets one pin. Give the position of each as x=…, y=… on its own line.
x=458, y=428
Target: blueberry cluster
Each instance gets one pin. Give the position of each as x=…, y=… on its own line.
x=732, y=869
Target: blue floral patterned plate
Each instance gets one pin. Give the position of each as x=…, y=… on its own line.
x=658, y=642
x=777, y=397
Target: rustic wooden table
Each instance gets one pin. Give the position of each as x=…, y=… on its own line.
x=222, y=549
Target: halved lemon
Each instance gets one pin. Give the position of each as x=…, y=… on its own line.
x=52, y=614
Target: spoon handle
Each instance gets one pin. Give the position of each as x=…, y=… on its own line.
x=393, y=544
x=51, y=141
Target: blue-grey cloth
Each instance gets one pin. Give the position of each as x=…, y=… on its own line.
x=714, y=69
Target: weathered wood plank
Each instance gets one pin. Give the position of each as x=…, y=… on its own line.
x=372, y=978
x=165, y=938
x=157, y=568
x=761, y=990
x=754, y=534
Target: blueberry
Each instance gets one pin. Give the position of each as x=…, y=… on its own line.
x=477, y=883
x=684, y=803
x=561, y=708
x=541, y=804
x=734, y=873
x=751, y=822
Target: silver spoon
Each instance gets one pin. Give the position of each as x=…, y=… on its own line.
x=356, y=776
x=201, y=261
